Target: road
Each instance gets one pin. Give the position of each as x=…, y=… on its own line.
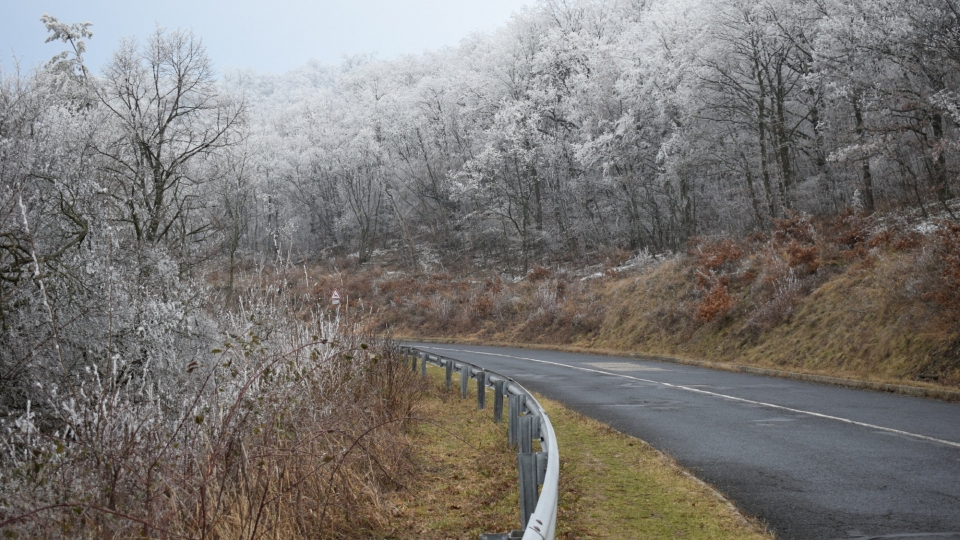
x=811, y=461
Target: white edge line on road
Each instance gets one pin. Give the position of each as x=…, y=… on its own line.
x=715, y=394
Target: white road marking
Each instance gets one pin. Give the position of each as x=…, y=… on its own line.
x=623, y=366
x=715, y=394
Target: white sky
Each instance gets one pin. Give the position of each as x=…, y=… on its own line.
x=267, y=35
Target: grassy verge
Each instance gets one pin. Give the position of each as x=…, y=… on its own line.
x=467, y=482
x=617, y=486
x=612, y=485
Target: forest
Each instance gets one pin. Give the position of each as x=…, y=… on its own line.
x=157, y=222
x=636, y=124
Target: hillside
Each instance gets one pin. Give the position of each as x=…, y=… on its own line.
x=852, y=296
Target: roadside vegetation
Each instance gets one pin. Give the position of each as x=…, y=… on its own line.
x=611, y=485
x=856, y=296
x=137, y=400
x=283, y=424
x=466, y=473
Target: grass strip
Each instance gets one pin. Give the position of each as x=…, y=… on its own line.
x=612, y=485
x=467, y=479
x=617, y=486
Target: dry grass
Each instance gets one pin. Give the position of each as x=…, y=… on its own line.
x=849, y=296
x=864, y=315
x=466, y=481
x=612, y=485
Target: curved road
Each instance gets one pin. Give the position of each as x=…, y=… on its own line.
x=811, y=461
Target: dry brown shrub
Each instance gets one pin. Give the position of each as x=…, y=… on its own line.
x=494, y=284
x=946, y=251
x=713, y=260
x=796, y=227
x=394, y=285
x=717, y=300
x=758, y=237
x=539, y=273
x=856, y=253
x=849, y=229
x=714, y=255
x=429, y=287
x=851, y=237
x=481, y=307
x=805, y=256
x=357, y=286
x=907, y=241
x=881, y=239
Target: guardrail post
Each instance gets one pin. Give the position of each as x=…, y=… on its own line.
x=529, y=427
x=481, y=390
x=449, y=371
x=423, y=364
x=542, y=459
x=516, y=403
x=527, y=468
x=464, y=380
x=413, y=362
x=498, y=401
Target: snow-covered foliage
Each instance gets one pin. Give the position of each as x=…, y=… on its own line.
x=618, y=123
x=136, y=397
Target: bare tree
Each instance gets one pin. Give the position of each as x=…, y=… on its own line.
x=168, y=116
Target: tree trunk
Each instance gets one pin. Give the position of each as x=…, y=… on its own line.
x=867, y=180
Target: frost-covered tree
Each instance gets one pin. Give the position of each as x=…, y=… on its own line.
x=167, y=115
x=582, y=125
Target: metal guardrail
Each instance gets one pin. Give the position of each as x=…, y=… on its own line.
x=527, y=421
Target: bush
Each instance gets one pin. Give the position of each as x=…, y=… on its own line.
x=717, y=301
x=945, y=290
x=539, y=273
x=481, y=307
x=714, y=255
x=287, y=428
x=806, y=256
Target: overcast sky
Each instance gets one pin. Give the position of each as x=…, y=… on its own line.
x=267, y=35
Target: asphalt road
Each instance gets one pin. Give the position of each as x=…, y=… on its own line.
x=811, y=461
